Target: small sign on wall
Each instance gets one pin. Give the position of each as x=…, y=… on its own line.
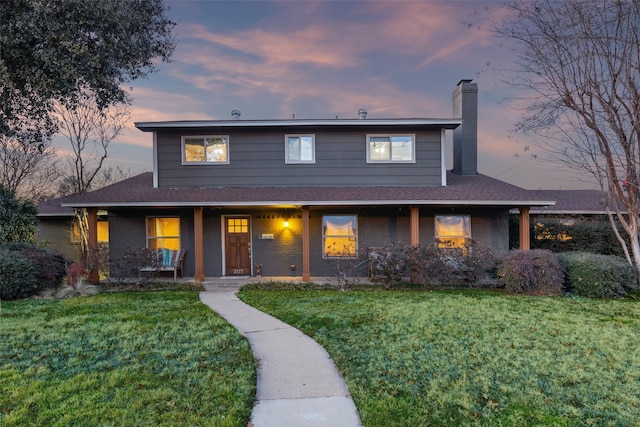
x=267, y=237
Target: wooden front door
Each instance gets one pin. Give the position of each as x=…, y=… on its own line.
x=237, y=248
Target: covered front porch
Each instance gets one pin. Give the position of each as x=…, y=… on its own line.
x=298, y=275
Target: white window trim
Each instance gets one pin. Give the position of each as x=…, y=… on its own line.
x=286, y=149
x=182, y=152
x=391, y=135
x=146, y=228
x=324, y=256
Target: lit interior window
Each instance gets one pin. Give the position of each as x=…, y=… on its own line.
x=453, y=231
x=206, y=149
x=163, y=232
x=339, y=236
x=391, y=148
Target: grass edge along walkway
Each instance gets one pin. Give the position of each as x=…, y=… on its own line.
x=474, y=357
x=127, y=359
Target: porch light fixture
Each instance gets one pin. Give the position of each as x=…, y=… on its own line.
x=286, y=223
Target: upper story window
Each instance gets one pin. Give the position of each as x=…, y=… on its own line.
x=211, y=149
x=300, y=149
x=391, y=149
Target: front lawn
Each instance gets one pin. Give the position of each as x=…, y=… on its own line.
x=474, y=357
x=125, y=359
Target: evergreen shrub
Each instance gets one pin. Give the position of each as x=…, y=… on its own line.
x=534, y=272
x=18, y=275
x=49, y=269
x=598, y=276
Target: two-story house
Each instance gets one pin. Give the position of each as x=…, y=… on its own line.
x=290, y=194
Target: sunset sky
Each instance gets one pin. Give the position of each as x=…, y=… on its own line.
x=322, y=59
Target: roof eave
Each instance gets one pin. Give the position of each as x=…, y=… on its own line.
x=505, y=203
x=198, y=124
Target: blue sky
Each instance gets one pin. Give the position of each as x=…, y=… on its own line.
x=322, y=59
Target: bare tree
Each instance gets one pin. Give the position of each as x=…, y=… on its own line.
x=28, y=170
x=579, y=64
x=90, y=131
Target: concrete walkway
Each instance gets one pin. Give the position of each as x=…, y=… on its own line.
x=298, y=384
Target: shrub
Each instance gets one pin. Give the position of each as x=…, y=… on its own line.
x=433, y=265
x=536, y=272
x=387, y=264
x=79, y=289
x=128, y=265
x=429, y=265
x=50, y=266
x=598, y=276
x=49, y=269
x=18, y=275
x=346, y=269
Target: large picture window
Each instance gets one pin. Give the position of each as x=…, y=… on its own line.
x=453, y=231
x=205, y=150
x=339, y=236
x=391, y=149
x=163, y=232
x=300, y=149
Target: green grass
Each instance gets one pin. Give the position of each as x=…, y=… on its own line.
x=474, y=357
x=125, y=359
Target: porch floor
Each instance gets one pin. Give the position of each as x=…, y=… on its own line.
x=238, y=281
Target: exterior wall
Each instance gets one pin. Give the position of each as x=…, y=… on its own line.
x=257, y=157
x=127, y=229
x=376, y=226
x=57, y=231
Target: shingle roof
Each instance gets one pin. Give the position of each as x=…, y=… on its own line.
x=138, y=191
x=572, y=202
x=53, y=207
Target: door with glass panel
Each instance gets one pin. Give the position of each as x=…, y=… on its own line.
x=237, y=247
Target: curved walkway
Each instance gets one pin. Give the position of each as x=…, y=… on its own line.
x=297, y=382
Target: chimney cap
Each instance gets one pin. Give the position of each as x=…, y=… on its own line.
x=464, y=81
x=362, y=114
x=235, y=114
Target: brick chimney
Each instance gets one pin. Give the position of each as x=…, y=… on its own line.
x=465, y=136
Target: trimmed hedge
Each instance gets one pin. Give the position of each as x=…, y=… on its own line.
x=534, y=272
x=598, y=276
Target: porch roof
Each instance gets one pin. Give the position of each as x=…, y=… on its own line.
x=477, y=190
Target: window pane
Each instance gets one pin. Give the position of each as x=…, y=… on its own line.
x=194, y=150
x=163, y=233
x=340, y=236
x=402, y=148
x=216, y=149
x=294, y=148
x=165, y=243
x=379, y=148
x=103, y=231
x=238, y=225
x=306, y=149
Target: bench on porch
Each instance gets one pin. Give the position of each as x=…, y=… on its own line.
x=167, y=260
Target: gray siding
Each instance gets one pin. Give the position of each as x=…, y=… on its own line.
x=57, y=232
x=258, y=159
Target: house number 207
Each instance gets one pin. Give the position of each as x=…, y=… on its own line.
x=238, y=270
